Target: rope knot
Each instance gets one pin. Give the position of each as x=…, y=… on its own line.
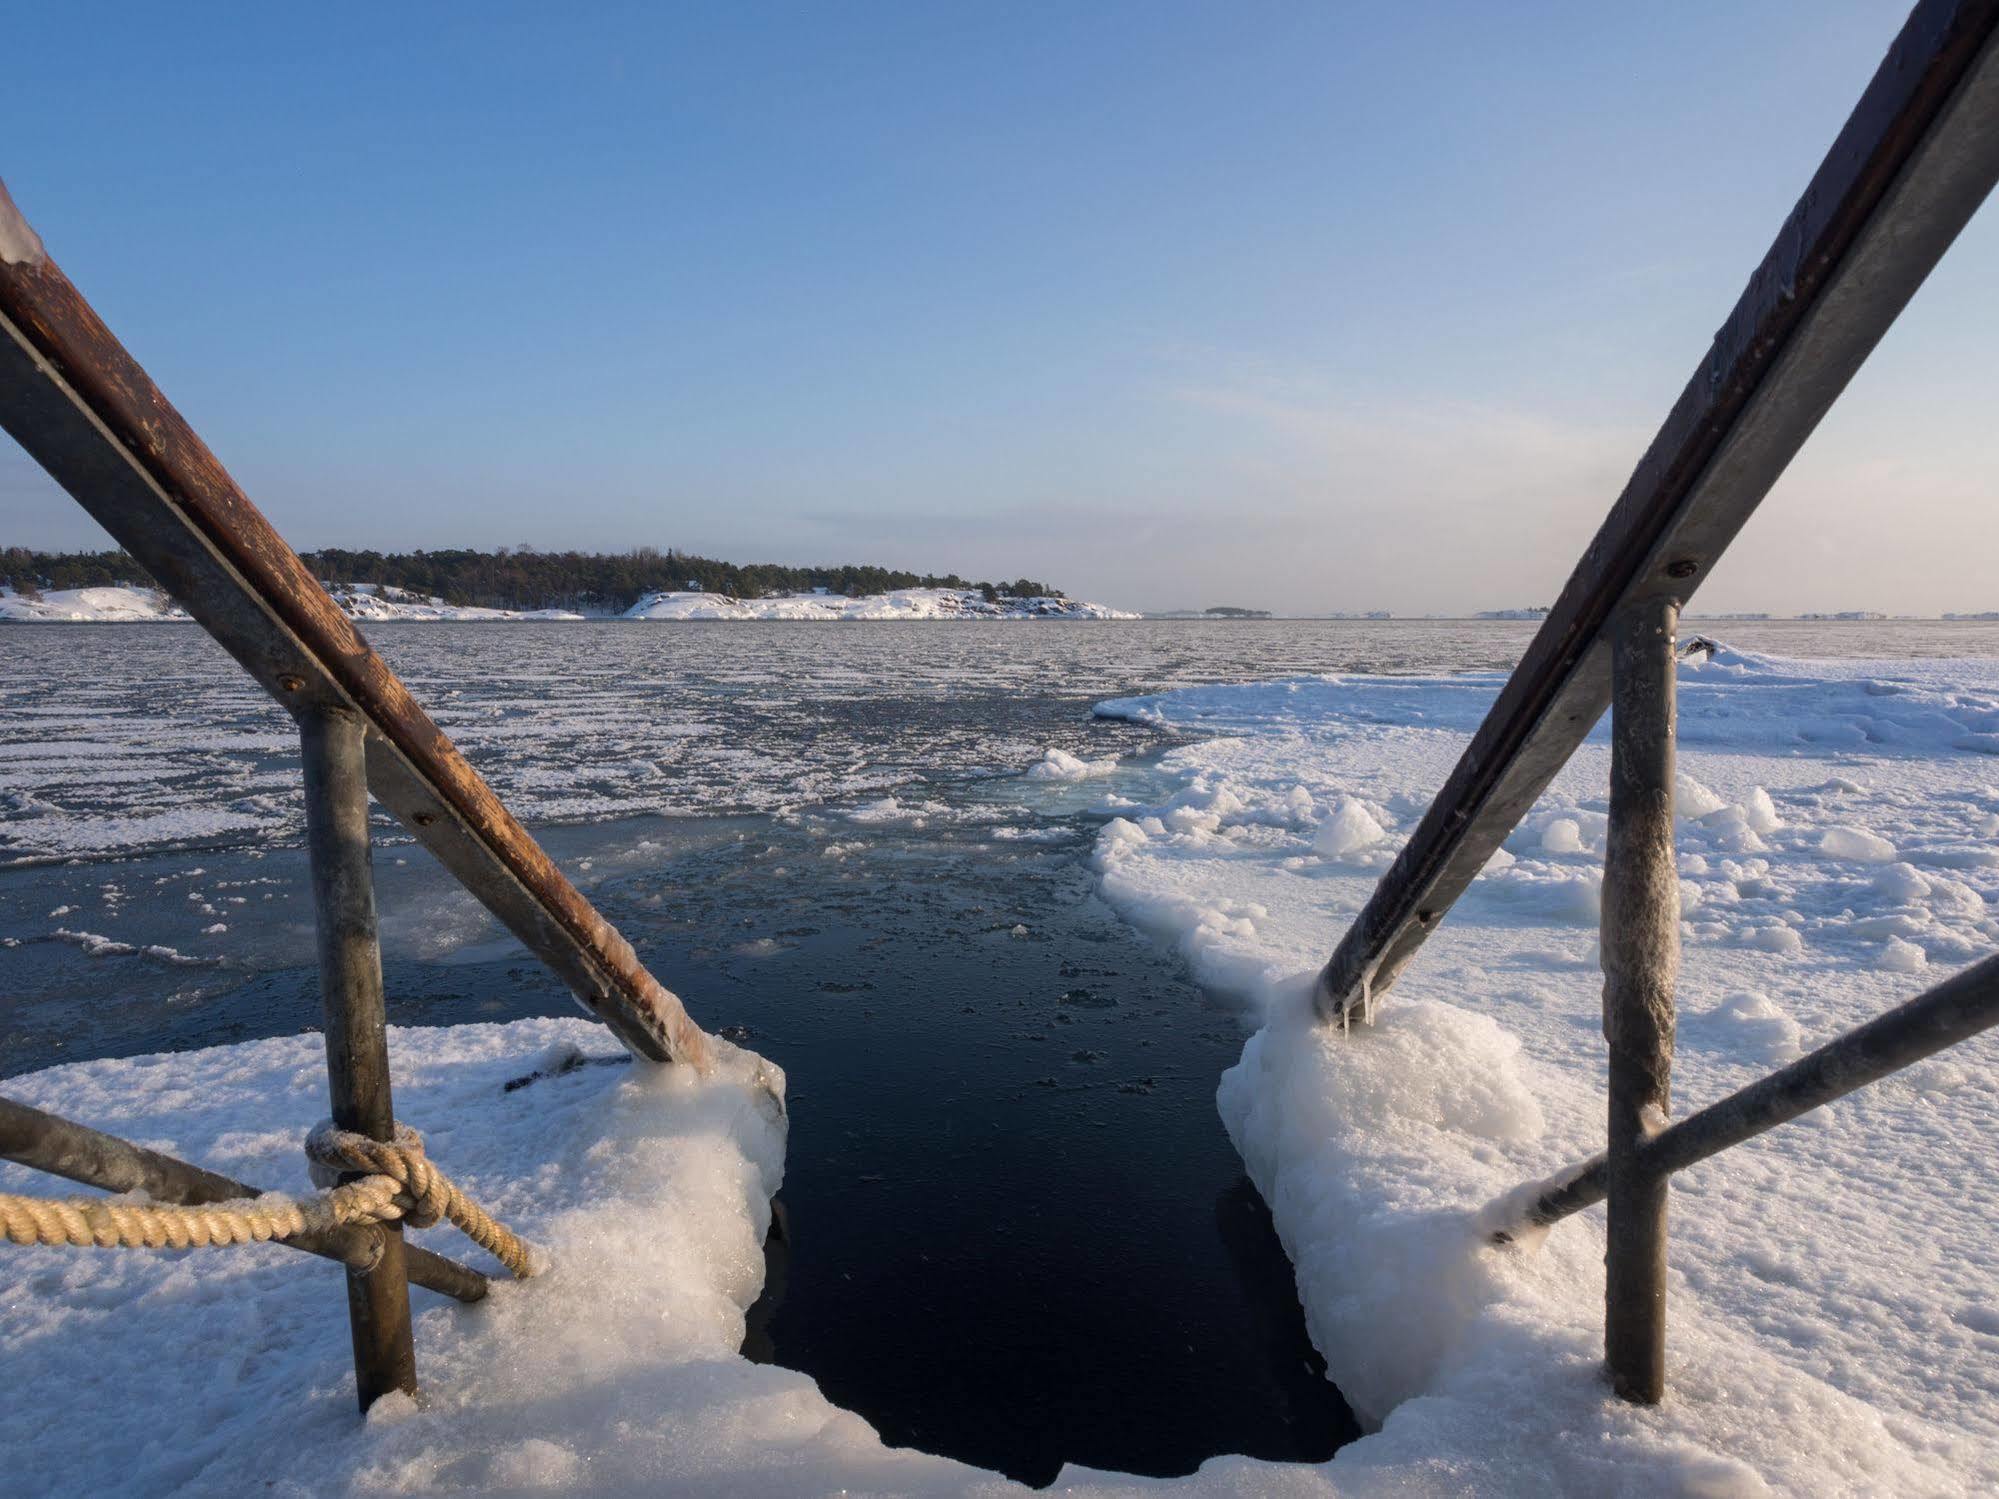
x=360, y=1180
x=395, y=1179
x=420, y=1190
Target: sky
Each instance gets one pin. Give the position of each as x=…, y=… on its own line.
x=1307, y=307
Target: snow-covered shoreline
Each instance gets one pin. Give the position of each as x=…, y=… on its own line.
x=900, y=603
x=378, y=601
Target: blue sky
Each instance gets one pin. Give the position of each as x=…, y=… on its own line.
x=1307, y=306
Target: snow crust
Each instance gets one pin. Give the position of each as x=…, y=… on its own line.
x=902, y=603
x=1835, y=1285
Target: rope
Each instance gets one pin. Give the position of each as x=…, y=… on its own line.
x=398, y=1182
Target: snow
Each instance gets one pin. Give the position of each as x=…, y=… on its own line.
x=381, y=601
x=1835, y=1285
x=125, y=604
x=19, y=244
x=97, y=605
x=902, y=603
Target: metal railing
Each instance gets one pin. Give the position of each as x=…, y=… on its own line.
x=83, y=408
x=1914, y=161
x=1917, y=157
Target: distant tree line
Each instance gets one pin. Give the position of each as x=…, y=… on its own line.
x=523, y=578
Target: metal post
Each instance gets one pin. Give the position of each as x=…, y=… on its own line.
x=1641, y=959
x=357, y=1041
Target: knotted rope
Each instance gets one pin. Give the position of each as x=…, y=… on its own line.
x=399, y=1183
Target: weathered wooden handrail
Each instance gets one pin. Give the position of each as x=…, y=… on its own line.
x=79, y=404
x=61, y=1147
x=1916, y=158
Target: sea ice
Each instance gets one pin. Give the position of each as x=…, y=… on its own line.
x=1381, y=1151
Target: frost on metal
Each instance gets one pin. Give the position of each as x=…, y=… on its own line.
x=19, y=244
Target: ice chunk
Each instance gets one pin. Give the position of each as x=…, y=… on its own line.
x=1562, y=836
x=1760, y=812
x=1349, y=830
x=1757, y=1026
x=1856, y=844
x=1060, y=765
x=1777, y=939
x=1899, y=956
x=1692, y=800
x=1901, y=885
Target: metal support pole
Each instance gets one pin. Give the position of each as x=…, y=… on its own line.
x=1641, y=959
x=357, y=1040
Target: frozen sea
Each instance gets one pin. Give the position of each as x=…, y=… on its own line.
x=1018, y=1234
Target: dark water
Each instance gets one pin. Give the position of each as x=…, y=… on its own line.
x=1017, y=1232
